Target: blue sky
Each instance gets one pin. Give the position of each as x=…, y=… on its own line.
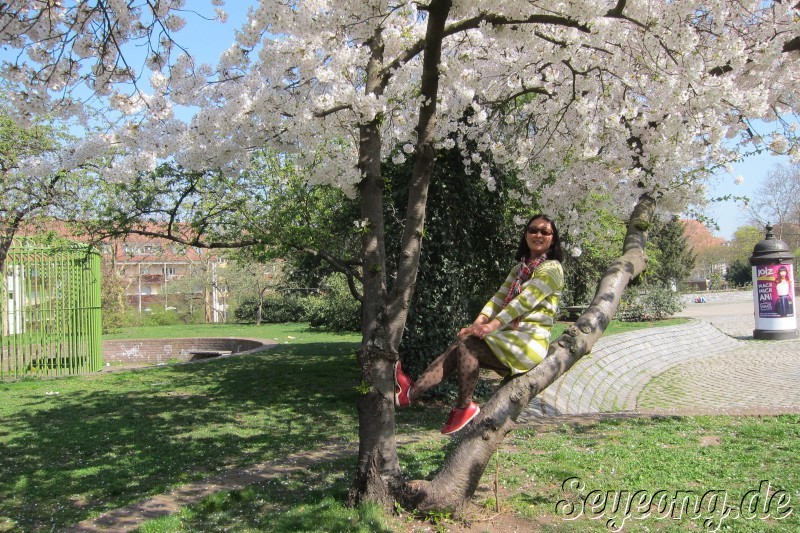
x=731, y=215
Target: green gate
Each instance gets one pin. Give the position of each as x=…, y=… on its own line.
x=51, y=324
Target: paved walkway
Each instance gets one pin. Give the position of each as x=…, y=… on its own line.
x=710, y=365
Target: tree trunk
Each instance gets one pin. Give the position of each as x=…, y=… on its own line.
x=8, y=229
x=378, y=476
x=5, y=246
x=455, y=484
x=260, y=307
x=378, y=465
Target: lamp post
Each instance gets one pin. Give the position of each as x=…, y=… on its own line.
x=773, y=289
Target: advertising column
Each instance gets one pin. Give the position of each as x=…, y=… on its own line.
x=773, y=289
x=774, y=285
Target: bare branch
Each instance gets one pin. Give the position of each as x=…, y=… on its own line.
x=346, y=267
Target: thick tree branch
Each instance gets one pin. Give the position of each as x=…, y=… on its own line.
x=459, y=478
x=792, y=45
x=474, y=23
x=425, y=154
x=171, y=235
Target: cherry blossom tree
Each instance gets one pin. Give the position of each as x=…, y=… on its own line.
x=637, y=100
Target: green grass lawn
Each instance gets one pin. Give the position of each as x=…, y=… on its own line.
x=73, y=448
x=692, y=473
x=263, y=331
x=282, y=331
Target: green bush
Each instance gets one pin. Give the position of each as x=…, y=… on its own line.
x=161, y=317
x=740, y=273
x=648, y=302
x=113, y=319
x=246, y=311
x=277, y=309
x=334, y=309
x=157, y=316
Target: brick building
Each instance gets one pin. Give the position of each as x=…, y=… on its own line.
x=161, y=274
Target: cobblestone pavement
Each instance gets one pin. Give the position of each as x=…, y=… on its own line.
x=710, y=365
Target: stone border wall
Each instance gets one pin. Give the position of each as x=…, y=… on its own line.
x=719, y=297
x=158, y=351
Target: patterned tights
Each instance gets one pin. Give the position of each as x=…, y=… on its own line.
x=467, y=357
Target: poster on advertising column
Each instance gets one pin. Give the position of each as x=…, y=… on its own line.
x=775, y=289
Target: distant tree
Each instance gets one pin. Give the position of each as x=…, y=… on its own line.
x=777, y=202
x=744, y=240
x=589, y=253
x=710, y=252
x=202, y=288
x=739, y=273
x=671, y=256
x=251, y=275
x=113, y=289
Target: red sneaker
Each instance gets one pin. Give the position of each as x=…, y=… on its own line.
x=460, y=417
x=402, y=386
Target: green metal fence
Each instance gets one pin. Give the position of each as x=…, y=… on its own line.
x=51, y=324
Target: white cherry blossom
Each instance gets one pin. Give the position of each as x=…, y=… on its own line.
x=615, y=105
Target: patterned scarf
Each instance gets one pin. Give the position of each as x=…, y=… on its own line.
x=524, y=272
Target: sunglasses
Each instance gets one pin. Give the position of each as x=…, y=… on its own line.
x=539, y=231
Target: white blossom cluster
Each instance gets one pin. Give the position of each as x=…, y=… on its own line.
x=571, y=96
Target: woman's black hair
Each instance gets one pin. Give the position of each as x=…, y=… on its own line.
x=554, y=252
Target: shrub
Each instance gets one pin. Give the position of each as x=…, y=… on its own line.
x=246, y=311
x=740, y=273
x=648, y=302
x=277, y=308
x=334, y=309
x=113, y=319
x=162, y=317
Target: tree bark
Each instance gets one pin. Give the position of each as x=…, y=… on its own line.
x=260, y=308
x=8, y=230
x=378, y=476
x=377, y=455
x=455, y=484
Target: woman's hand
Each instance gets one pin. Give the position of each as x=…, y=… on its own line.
x=470, y=330
x=480, y=330
x=466, y=332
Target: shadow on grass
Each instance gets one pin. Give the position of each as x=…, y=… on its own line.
x=76, y=447
x=311, y=500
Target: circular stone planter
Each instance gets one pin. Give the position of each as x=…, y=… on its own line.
x=161, y=351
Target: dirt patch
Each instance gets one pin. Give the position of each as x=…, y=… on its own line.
x=477, y=520
x=482, y=520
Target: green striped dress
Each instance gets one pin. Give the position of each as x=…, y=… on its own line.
x=536, y=306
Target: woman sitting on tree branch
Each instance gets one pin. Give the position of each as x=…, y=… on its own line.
x=511, y=334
